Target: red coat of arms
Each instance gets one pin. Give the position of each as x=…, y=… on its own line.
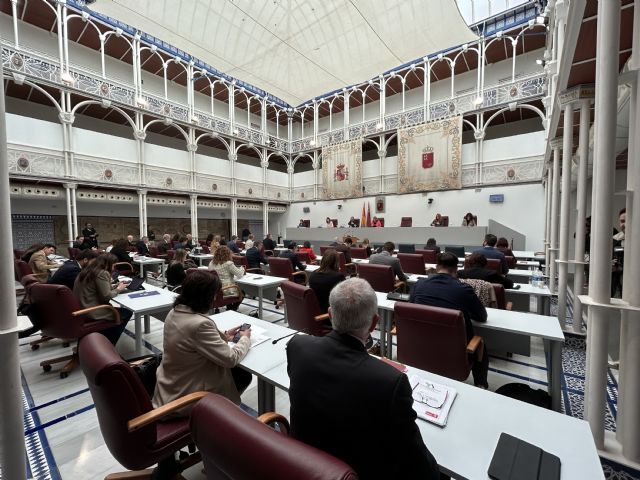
x=427, y=157
x=341, y=173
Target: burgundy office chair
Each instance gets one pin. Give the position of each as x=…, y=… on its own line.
x=22, y=269
x=347, y=269
x=306, y=223
x=435, y=339
x=303, y=257
x=445, y=221
x=26, y=309
x=303, y=310
x=130, y=426
x=412, y=263
x=381, y=277
x=282, y=267
x=154, y=252
x=170, y=255
x=17, y=253
x=501, y=298
x=358, y=253
x=324, y=248
x=61, y=316
x=241, y=261
x=73, y=252
x=511, y=261
x=220, y=300
x=274, y=455
x=335, y=222
x=430, y=256
x=406, y=221
x=494, y=264
x=124, y=268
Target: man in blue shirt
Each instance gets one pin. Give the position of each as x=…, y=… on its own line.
x=233, y=246
x=446, y=291
x=489, y=251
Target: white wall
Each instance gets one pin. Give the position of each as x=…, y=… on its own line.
x=34, y=132
x=98, y=144
x=522, y=210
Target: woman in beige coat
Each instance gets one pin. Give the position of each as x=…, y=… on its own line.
x=223, y=265
x=197, y=356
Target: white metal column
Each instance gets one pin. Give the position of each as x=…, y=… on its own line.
x=547, y=246
x=234, y=216
x=142, y=212
x=265, y=217
x=563, y=257
x=194, y=217
x=581, y=212
x=607, y=41
x=12, y=451
x=555, y=200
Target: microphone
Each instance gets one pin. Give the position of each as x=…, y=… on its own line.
x=286, y=336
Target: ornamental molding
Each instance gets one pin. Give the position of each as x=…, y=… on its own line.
x=577, y=93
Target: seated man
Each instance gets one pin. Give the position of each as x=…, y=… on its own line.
x=337, y=391
x=81, y=243
x=165, y=244
x=189, y=243
x=290, y=253
x=143, y=246
x=446, y=291
x=432, y=245
x=40, y=264
x=233, y=246
x=489, y=251
x=131, y=241
x=385, y=257
x=478, y=270
x=254, y=256
x=67, y=273
x=345, y=247
x=268, y=242
x=250, y=241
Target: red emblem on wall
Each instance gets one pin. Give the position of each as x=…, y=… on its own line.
x=427, y=157
x=341, y=173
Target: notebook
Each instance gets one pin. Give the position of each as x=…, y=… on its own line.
x=516, y=459
x=135, y=284
x=432, y=401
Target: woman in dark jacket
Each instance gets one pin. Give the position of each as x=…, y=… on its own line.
x=325, y=278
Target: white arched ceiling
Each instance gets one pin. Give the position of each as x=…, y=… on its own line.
x=298, y=49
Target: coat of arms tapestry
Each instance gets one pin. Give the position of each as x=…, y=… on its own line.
x=430, y=155
x=342, y=170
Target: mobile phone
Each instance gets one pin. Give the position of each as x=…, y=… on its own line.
x=245, y=326
x=257, y=278
x=516, y=287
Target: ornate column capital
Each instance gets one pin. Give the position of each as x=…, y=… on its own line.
x=575, y=94
x=382, y=153
x=193, y=196
x=66, y=118
x=192, y=147
x=479, y=134
x=290, y=169
x=139, y=135
x=264, y=163
x=556, y=143
x=141, y=191
x=232, y=157
x=70, y=186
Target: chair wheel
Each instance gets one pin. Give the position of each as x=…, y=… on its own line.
x=64, y=374
x=35, y=347
x=46, y=368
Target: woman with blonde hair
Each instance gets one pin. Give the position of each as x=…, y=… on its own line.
x=223, y=265
x=365, y=244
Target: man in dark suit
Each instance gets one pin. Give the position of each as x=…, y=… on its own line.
x=385, y=257
x=143, y=246
x=67, y=273
x=345, y=247
x=337, y=390
x=478, y=269
x=165, y=244
x=233, y=246
x=446, y=291
x=90, y=235
x=489, y=251
x=254, y=257
x=291, y=255
x=268, y=243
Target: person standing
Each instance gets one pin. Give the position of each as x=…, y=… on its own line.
x=337, y=391
x=90, y=235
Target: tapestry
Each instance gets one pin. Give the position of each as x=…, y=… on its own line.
x=342, y=170
x=430, y=156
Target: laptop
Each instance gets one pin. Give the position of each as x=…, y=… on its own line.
x=135, y=284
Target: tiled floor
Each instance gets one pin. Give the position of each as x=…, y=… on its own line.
x=64, y=440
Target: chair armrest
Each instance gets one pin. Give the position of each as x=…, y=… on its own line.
x=161, y=412
x=270, y=418
x=321, y=318
x=111, y=308
x=257, y=270
x=399, y=285
x=306, y=278
x=475, y=344
x=349, y=264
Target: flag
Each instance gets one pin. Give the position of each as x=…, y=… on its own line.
x=368, y=214
x=363, y=218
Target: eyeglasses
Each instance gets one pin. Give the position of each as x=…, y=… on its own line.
x=428, y=394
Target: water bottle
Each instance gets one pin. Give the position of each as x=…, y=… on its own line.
x=535, y=278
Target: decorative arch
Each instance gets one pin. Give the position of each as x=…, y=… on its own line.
x=249, y=146
x=112, y=107
x=40, y=89
x=217, y=137
x=175, y=125
x=526, y=106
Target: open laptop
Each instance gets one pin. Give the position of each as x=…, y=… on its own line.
x=135, y=284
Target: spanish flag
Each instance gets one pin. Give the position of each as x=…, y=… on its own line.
x=363, y=218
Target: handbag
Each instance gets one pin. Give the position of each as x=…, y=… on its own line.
x=146, y=368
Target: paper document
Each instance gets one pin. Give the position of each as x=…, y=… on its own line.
x=258, y=335
x=432, y=401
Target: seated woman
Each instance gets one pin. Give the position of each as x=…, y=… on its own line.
x=325, y=278
x=93, y=287
x=376, y=222
x=197, y=356
x=438, y=221
x=329, y=223
x=503, y=246
x=365, y=244
x=306, y=248
x=227, y=271
x=469, y=220
x=478, y=270
x=177, y=270
x=120, y=251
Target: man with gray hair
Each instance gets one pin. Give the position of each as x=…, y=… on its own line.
x=342, y=397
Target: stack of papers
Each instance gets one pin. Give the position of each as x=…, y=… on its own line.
x=258, y=335
x=432, y=401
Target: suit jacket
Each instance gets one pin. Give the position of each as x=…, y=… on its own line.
x=322, y=283
x=40, y=265
x=342, y=247
x=142, y=248
x=66, y=274
x=445, y=291
x=353, y=406
x=164, y=246
x=486, y=274
x=269, y=244
x=385, y=258
x=196, y=357
x=491, y=252
x=291, y=255
x=255, y=258
x=97, y=292
x=233, y=246
x=122, y=255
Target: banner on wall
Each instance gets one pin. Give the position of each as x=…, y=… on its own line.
x=430, y=156
x=342, y=170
